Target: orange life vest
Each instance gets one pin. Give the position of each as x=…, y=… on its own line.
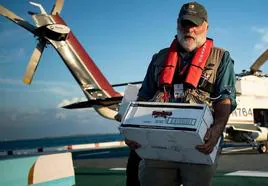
x=195, y=69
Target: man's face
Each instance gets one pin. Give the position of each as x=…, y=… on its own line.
x=191, y=36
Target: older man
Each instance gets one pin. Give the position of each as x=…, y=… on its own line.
x=192, y=71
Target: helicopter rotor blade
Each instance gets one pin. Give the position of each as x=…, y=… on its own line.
x=16, y=19
x=259, y=62
x=90, y=103
x=34, y=61
x=57, y=7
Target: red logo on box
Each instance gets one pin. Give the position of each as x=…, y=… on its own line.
x=162, y=114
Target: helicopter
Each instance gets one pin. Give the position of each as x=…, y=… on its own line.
x=249, y=121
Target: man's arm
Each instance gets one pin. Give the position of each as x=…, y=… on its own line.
x=225, y=88
x=222, y=110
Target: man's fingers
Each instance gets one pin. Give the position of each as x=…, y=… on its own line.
x=210, y=139
x=132, y=144
x=206, y=151
x=118, y=117
x=206, y=148
x=137, y=145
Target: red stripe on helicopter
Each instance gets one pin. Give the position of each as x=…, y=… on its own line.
x=88, y=62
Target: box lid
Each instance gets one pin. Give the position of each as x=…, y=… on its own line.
x=157, y=115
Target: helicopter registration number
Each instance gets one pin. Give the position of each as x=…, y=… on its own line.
x=242, y=112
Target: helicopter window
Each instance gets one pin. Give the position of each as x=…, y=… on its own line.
x=261, y=117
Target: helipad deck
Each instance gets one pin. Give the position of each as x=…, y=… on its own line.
x=116, y=177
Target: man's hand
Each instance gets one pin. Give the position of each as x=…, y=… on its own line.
x=222, y=110
x=118, y=117
x=133, y=145
x=211, y=139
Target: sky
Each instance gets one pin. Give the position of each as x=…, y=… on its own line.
x=121, y=37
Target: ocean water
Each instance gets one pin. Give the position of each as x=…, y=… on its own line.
x=57, y=141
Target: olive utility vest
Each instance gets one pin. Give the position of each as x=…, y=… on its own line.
x=202, y=94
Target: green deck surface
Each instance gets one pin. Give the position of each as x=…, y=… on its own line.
x=104, y=177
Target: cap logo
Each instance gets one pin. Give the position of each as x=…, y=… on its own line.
x=191, y=6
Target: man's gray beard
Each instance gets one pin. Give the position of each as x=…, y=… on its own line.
x=199, y=42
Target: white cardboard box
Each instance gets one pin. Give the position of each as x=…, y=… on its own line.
x=168, y=131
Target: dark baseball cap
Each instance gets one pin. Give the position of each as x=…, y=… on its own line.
x=193, y=12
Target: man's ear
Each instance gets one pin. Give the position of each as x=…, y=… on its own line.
x=207, y=25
